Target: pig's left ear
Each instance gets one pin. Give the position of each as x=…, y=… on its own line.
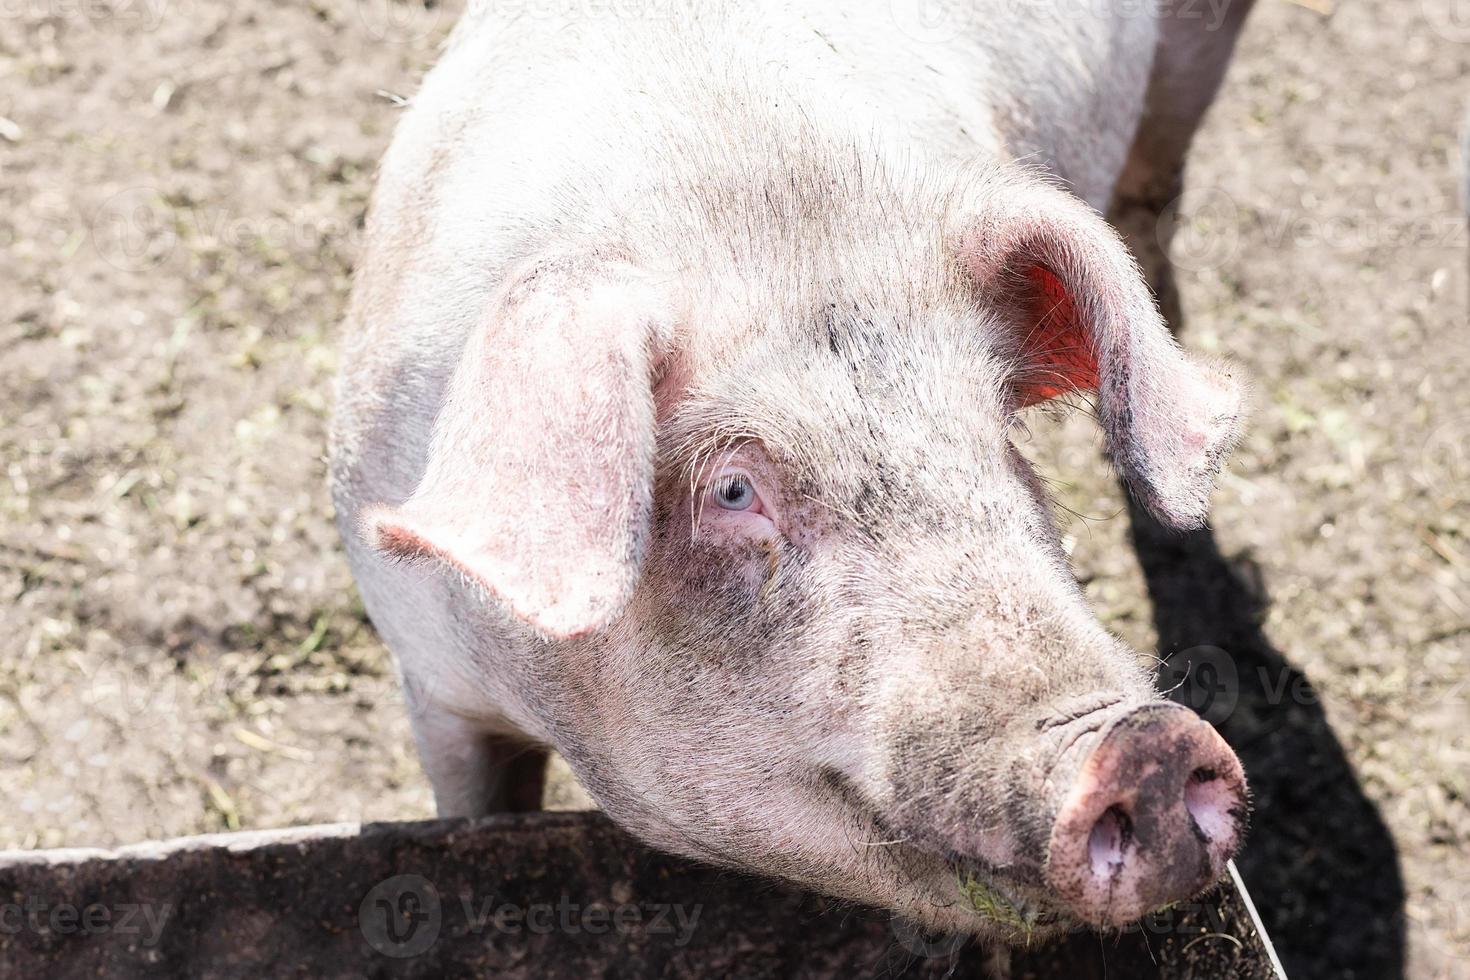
x=538, y=487
x=1088, y=322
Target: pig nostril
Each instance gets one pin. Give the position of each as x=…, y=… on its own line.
x=1210, y=802
x=1107, y=845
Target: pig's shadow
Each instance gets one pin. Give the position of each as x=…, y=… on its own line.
x=1319, y=861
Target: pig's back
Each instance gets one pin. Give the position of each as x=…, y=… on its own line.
x=1053, y=84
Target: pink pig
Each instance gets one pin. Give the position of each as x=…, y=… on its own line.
x=673, y=434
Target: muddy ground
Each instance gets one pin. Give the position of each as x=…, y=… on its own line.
x=182, y=185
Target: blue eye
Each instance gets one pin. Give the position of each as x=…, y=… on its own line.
x=734, y=492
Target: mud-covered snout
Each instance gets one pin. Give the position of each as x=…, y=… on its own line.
x=1150, y=816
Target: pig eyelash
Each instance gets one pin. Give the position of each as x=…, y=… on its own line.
x=722, y=444
x=729, y=487
x=728, y=479
x=735, y=491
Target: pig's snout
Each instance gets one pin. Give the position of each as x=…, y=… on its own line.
x=1153, y=814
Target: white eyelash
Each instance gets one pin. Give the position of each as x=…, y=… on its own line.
x=700, y=495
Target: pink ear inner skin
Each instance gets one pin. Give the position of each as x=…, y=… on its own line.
x=1090, y=322
x=1057, y=352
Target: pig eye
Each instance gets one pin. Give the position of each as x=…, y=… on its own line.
x=735, y=491
x=730, y=503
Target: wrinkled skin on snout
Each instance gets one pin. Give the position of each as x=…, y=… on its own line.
x=788, y=598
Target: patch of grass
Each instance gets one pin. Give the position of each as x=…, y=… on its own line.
x=1019, y=924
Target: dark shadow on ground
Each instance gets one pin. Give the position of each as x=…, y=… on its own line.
x=1319, y=861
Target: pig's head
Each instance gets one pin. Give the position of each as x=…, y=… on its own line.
x=798, y=604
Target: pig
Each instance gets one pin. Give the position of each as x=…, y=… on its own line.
x=675, y=433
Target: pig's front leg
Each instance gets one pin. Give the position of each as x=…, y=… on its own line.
x=474, y=771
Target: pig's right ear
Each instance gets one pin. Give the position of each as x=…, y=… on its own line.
x=1088, y=323
x=538, y=487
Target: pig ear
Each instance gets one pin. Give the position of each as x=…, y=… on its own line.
x=539, y=480
x=1088, y=322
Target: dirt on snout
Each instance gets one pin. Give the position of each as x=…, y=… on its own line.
x=182, y=187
